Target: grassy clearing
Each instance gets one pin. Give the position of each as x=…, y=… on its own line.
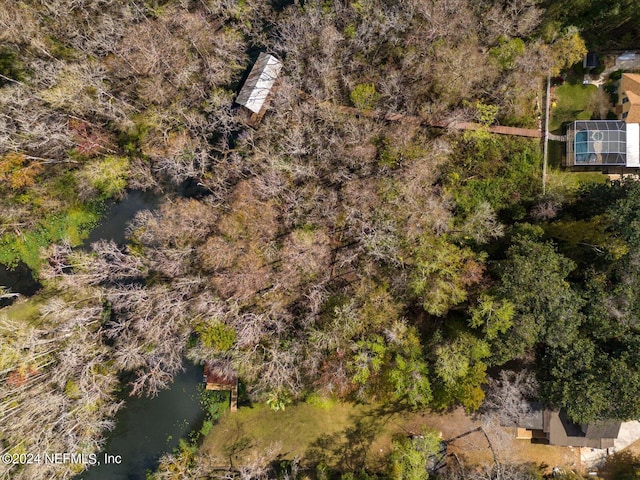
x=565, y=183
x=352, y=436
x=296, y=431
x=572, y=102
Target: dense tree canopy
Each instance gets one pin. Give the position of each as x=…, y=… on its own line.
x=328, y=251
x=604, y=25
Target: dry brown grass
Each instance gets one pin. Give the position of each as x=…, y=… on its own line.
x=634, y=448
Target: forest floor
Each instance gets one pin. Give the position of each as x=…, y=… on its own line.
x=354, y=436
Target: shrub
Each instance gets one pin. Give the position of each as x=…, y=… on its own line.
x=364, y=96
x=207, y=425
x=72, y=225
x=507, y=51
x=616, y=75
x=216, y=335
x=497, y=170
x=104, y=178
x=319, y=401
x=598, y=69
x=71, y=390
x=9, y=66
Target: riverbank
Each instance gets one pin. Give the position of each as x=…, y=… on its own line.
x=111, y=225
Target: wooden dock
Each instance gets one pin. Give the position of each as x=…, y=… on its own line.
x=221, y=379
x=499, y=129
x=454, y=125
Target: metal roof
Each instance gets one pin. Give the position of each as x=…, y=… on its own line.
x=633, y=145
x=263, y=75
x=561, y=431
x=531, y=416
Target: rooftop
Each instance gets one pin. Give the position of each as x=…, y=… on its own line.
x=217, y=373
x=561, y=431
x=531, y=418
x=630, y=97
x=259, y=83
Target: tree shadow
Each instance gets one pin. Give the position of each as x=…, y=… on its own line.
x=239, y=443
x=350, y=449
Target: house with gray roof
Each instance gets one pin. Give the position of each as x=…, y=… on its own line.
x=553, y=427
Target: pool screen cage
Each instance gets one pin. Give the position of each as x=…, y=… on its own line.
x=597, y=142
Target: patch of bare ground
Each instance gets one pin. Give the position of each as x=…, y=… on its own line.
x=473, y=444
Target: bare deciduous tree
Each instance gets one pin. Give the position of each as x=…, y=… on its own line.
x=507, y=397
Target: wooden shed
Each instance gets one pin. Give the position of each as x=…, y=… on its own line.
x=256, y=89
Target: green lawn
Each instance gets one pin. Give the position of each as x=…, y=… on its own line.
x=565, y=183
x=302, y=430
x=572, y=102
x=350, y=436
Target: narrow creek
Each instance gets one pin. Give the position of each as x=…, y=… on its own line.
x=146, y=428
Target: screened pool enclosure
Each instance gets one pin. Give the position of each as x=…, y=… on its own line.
x=603, y=142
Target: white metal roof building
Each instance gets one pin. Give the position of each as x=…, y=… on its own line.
x=263, y=75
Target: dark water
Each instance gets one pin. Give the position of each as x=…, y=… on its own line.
x=19, y=280
x=146, y=428
x=114, y=221
x=112, y=226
